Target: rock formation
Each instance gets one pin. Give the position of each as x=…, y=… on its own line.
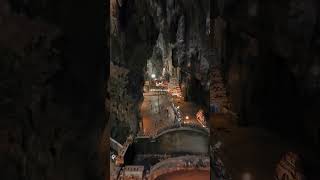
x=270, y=62
x=164, y=34
x=54, y=66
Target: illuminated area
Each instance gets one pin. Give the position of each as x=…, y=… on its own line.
x=153, y=76
x=165, y=85
x=212, y=79
x=159, y=98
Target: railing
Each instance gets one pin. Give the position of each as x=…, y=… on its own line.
x=122, y=151
x=182, y=127
x=115, y=145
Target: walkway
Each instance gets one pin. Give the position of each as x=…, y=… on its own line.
x=156, y=112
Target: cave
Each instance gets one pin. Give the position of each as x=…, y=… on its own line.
x=159, y=89
x=162, y=56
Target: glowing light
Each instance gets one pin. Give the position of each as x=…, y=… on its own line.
x=153, y=76
x=187, y=117
x=246, y=176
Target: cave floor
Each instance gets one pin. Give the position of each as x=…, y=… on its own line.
x=251, y=153
x=187, y=109
x=154, y=113
x=156, y=116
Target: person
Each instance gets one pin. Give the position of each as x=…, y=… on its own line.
x=167, y=112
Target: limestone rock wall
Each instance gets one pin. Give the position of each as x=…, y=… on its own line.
x=270, y=61
x=184, y=41
x=133, y=37
x=52, y=90
x=164, y=32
